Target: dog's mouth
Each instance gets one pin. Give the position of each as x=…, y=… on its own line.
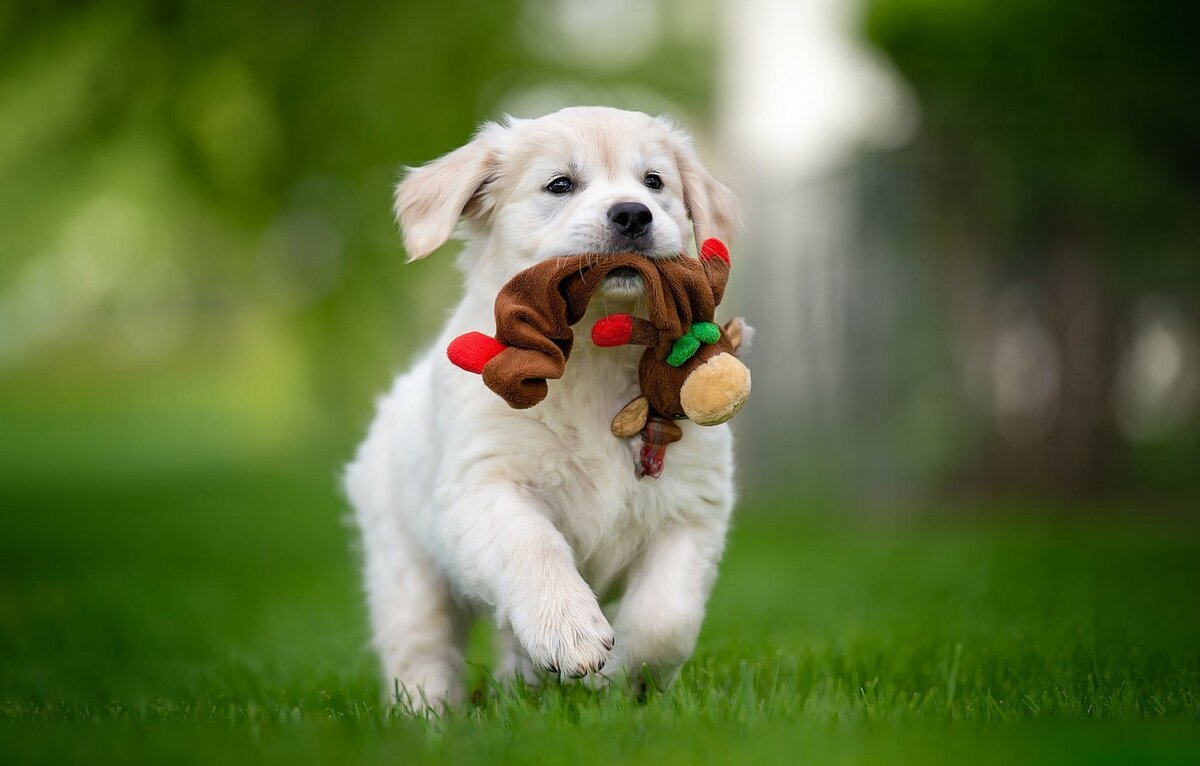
x=643, y=246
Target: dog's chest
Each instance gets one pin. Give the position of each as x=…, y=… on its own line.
x=587, y=477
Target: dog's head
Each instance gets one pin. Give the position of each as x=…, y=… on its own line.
x=581, y=180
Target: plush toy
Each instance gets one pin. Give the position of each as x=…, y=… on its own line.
x=689, y=369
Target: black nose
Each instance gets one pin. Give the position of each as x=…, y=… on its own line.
x=630, y=218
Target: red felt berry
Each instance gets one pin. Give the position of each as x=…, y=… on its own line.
x=613, y=330
x=472, y=350
x=714, y=248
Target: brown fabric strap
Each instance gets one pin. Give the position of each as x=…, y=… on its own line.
x=644, y=333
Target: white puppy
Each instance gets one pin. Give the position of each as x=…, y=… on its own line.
x=536, y=516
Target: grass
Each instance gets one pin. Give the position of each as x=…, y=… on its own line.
x=174, y=599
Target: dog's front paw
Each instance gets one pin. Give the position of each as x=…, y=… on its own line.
x=566, y=633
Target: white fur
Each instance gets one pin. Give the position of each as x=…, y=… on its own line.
x=468, y=506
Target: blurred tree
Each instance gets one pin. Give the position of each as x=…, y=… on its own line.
x=1060, y=149
x=208, y=185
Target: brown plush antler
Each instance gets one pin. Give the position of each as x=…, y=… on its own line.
x=535, y=311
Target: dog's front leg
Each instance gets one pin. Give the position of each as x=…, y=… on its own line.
x=659, y=617
x=512, y=556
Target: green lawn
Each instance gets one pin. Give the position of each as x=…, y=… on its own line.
x=165, y=599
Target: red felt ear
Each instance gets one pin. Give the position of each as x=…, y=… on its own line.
x=473, y=350
x=714, y=248
x=612, y=330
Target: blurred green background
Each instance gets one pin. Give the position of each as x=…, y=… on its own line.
x=972, y=254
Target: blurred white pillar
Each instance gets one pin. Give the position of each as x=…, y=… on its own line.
x=799, y=97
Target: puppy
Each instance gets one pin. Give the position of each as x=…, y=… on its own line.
x=536, y=517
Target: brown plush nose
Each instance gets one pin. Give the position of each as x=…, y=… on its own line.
x=630, y=218
x=716, y=390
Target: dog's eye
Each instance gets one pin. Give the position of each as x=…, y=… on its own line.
x=560, y=185
x=653, y=181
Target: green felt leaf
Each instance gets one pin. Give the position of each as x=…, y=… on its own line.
x=705, y=332
x=682, y=350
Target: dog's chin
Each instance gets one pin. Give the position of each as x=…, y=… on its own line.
x=622, y=284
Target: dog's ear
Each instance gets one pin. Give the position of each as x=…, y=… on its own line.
x=430, y=199
x=712, y=207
